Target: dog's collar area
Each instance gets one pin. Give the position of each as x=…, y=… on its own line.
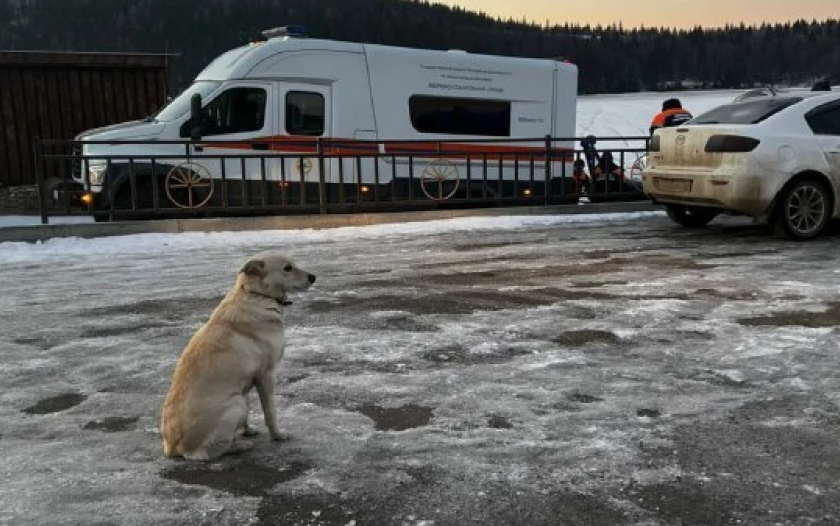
x=283, y=302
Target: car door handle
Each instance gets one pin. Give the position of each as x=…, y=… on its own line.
x=259, y=146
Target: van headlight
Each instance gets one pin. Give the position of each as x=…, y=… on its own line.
x=96, y=173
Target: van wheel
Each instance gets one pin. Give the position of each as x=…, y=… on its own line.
x=803, y=210
x=189, y=185
x=440, y=179
x=691, y=216
x=145, y=195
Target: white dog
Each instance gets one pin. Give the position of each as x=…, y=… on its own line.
x=206, y=409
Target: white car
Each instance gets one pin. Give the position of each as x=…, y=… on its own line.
x=775, y=158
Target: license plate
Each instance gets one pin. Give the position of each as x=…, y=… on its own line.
x=682, y=186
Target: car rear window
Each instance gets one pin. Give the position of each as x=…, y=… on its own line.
x=747, y=112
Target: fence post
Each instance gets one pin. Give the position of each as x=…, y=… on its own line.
x=322, y=179
x=37, y=147
x=547, y=171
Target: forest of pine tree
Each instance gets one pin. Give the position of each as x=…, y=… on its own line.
x=610, y=58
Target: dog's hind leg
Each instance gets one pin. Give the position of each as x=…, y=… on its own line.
x=223, y=438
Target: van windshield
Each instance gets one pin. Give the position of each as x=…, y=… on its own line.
x=181, y=105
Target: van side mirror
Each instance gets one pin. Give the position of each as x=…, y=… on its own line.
x=196, y=117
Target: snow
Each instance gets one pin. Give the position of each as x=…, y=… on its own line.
x=10, y=220
x=63, y=248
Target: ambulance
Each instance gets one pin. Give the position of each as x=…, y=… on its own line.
x=293, y=114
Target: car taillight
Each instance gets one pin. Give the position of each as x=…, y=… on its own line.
x=654, y=143
x=730, y=144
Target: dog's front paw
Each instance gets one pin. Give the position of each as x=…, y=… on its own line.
x=277, y=436
x=249, y=431
x=239, y=446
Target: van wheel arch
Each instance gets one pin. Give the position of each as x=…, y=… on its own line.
x=121, y=183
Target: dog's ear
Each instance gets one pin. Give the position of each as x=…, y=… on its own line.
x=255, y=268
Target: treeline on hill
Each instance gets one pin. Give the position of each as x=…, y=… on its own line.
x=611, y=59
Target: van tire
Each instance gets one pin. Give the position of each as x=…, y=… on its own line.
x=803, y=209
x=691, y=216
x=145, y=199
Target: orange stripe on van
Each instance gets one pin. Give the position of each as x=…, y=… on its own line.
x=353, y=147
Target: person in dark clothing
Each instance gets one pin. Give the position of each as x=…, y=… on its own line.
x=672, y=114
x=604, y=174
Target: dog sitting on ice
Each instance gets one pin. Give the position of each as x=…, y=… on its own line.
x=206, y=409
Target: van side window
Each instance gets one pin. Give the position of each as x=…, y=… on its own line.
x=825, y=120
x=430, y=114
x=304, y=113
x=237, y=110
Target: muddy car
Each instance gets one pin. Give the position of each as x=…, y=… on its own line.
x=775, y=158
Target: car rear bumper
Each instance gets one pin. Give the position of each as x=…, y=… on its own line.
x=741, y=194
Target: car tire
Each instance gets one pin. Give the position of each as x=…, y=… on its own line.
x=691, y=216
x=803, y=210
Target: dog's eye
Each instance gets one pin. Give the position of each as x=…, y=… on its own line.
x=288, y=268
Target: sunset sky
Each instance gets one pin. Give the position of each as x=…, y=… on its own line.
x=655, y=13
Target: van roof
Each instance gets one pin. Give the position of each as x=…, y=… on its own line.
x=238, y=62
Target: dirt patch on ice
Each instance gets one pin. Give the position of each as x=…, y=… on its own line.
x=498, y=422
x=239, y=477
x=457, y=355
x=118, y=330
x=585, y=337
x=486, y=246
x=56, y=404
x=421, y=500
x=462, y=302
x=397, y=418
x=583, y=398
x=809, y=319
x=162, y=308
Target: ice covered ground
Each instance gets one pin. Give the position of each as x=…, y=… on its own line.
x=612, y=371
x=11, y=220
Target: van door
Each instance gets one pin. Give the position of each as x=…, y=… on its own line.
x=237, y=126
x=305, y=116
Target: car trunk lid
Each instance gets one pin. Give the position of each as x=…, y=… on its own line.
x=684, y=148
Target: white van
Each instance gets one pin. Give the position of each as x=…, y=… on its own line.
x=291, y=111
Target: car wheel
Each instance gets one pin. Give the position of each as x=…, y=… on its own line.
x=804, y=210
x=691, y=216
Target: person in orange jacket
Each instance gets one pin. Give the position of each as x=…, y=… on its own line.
x=672, y=114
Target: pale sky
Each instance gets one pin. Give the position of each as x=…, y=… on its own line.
x=655, y=13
